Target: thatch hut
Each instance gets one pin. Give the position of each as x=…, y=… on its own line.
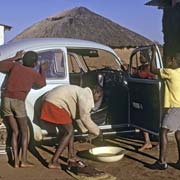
x=84, y=24
x=170, y=24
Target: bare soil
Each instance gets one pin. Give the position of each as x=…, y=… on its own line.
x=135, y=165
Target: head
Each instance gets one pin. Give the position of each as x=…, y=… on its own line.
x=30, y=59
x=97, y=93
x=143, y=57
x=172, y=61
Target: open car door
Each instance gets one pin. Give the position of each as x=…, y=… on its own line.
x=145, y=91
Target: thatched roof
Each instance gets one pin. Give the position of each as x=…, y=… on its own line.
x=159, y=3
x=84, y=24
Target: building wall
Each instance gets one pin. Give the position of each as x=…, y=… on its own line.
x=1, y=35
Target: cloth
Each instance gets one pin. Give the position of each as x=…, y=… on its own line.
x=13, y=107
x=144, y=72
x=77, y=101
x=20, y=79
x=171, y=78
x=52, y=113
x=105, y=176
x=171, y=119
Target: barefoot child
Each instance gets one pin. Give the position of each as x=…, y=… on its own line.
x=60, y=107
x=19, y=81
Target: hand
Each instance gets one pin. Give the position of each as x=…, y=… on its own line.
x=153, y=48
x=44, y=65
x=95, y=137
x=19, y=55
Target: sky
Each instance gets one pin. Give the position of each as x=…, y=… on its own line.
x=132, y=14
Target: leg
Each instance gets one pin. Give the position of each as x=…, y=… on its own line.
x=14, y=142
x=177, y=136
x=147, y=142
x=23, y=125
x=71, y=147
x=163, y=145
x=63, y=143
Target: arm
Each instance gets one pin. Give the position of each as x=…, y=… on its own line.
x=17, y=57
x=7, y=64
x=40, y=80
x=85, y=104
x=153, y=67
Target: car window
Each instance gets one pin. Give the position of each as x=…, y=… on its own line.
x=140, y=65
x=56, y=64
x=73, y=63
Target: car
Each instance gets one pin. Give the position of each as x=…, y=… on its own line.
x=129, y=102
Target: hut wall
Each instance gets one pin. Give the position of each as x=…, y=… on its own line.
x=124, y=54
x=171, y=29
x=1, y=34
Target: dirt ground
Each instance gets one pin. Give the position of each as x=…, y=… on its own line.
x=133, y=166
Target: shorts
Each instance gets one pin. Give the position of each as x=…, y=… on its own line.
x=13, y=107
x=171, y=119
x=53, y=114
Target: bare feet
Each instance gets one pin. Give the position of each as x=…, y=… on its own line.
x=53, y=165
x=145, y=147
x=26, y=165
x=16, y=165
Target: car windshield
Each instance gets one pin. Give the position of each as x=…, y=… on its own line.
x=92, y=59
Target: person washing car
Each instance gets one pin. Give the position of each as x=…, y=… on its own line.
x=60, y=107
x=19, y=81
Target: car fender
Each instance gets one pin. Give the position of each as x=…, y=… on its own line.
x=35, y=130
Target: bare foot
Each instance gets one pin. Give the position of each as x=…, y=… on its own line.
x=16, y=164
x=26, y=165
x=54, y=166
x=145, y=147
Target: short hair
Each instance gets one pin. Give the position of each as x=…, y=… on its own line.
x=97, y=89
x=29, y=58
x=177, y=57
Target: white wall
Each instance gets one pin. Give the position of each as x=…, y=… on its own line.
x=1, y=35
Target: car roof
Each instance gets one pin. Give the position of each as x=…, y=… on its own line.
x=11, y=48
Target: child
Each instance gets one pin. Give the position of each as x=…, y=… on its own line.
x=171, y=77
x=60, y=108
x=19, y=81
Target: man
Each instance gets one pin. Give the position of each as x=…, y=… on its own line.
x=19, y=80
x=171, y=120
x=62, y=105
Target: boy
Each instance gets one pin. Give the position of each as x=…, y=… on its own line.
x=61, y=106
x=171, y=121
x=19, y=80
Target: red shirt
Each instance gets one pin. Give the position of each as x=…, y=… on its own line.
x=20, y=79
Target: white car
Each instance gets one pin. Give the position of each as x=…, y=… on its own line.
x=128, y=101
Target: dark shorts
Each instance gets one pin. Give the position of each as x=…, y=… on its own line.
x=171, y=119
x=13, y=107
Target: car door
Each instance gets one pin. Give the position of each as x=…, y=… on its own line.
x=145, y=92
